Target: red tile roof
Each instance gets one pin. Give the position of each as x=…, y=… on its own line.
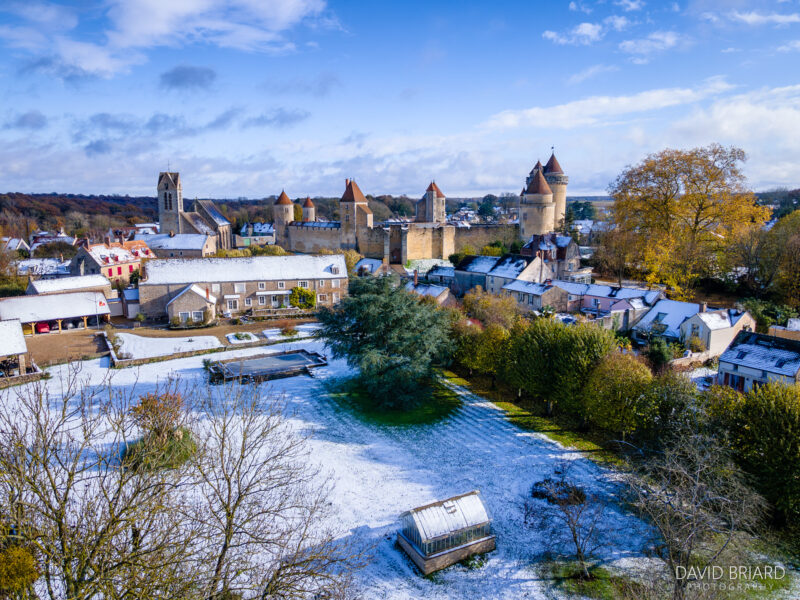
x=283, y=199
x=352, y=193
x=552, y=165
x=536, y=167
x=435, y=188
x=308, y=203
x=538, y=185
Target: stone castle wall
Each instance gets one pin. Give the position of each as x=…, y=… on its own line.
x=313, y=239
x=373, y=242
x=479, y=236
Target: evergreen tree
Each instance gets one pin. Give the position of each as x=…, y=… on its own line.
x=390, y=336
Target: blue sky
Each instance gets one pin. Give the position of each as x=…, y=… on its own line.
x=248, y=97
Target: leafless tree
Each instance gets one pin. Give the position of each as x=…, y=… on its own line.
x=697, y=501
x=97, y=528
x=568, y=514
x=260, y=507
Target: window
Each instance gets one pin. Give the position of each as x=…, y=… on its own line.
x=347, y=218
x=239, y=288
x=595, y=302
x=322, y=297
x=335, y=298
x=183, y=316
x=233, y=305
x=335, y=270
x=302, y=284
x=262, y=300
x=197, y=315
x=130, y=268
x=321, y=283
x=695, y=330
x=248, y=301
x=262, y=285
x=281, y=285
x=335, y=283
x=119, y=270
x=215, y=288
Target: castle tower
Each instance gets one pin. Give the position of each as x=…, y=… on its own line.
x=170, y=202
x=309, y=211
x=536, y=206
x=431, y=207
x=354, y=212
x=282, y=215
x=557, y=181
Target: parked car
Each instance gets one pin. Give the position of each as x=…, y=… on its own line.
x=42, y=328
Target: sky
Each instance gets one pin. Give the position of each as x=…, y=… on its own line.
x=249, y=97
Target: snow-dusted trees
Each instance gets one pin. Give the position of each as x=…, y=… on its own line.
x=244, y=516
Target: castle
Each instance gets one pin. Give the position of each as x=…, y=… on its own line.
x=541, y=209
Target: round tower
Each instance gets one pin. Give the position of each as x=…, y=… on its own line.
x=309, y=211
x=557, y=181
x=536, y=206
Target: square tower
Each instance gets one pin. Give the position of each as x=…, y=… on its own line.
x=170, y=202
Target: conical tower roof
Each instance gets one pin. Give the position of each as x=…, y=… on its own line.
x=308, y=203
x=435, y=189
x=352, y=193
x=538, y=185
x=552, y=165
x=536, y=167
x=283, y=199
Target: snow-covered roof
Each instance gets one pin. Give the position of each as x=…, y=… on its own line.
x=793, y=325
x=607, y=291
x=527, y=287
x=29, y=309
x=449, y=516
x=509, y=266
x=368, y=265
x=42, y=266
x=116, y=253
x=195, y=289
x=426, y=289
x=317, y=224
x=12, y=341
x=213, y=212
x=442, y=271
x=720, y=319
x=198, y=222
x=252, y=268
x=179, y=241
x=13, y=244
x=67, y=284
x=478, y=264
x=666, y=317
x=258, y=229
x=764, y=352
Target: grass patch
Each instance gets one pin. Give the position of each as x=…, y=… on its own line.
x=603, y=584
x=474, y=562
x=524, y=418
x=149, y=454
x=437, y=401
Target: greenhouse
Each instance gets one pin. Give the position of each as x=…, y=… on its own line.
x=442, y=533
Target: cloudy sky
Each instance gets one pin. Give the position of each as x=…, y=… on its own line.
x=248, y=97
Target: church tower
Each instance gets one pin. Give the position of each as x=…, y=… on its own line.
x=309, y=211
x=557, y=181
x=536, y=205
x=170, y=202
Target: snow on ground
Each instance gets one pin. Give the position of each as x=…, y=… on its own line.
x=137, y=346
x=379, y=472
x=246, y=337
x=306, y=330
x=703, y=377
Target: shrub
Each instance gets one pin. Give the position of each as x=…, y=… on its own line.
x=140, y=317
x=289, y=330
x=616, y=394
x=302, y=298
x=659, y=353
x=175, y=322
x=159, y=415
x=18, y=572
x=695, y=344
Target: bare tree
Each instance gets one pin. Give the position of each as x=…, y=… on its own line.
x=697, y=501
x=262, y=512
x=97, y=528
x=570, y=516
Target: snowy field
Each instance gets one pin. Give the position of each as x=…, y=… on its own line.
x=380, y=471
x=137, y=346
x=306, y=330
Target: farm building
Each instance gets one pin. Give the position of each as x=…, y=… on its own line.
x=56, y=312
x=442, y=533
x=13, y=349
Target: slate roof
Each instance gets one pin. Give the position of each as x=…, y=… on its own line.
x=66, y=284
x=666, y=317
x=213, y=212
x=477, y=264
x=764, y=352
x=179, y=241
x=194, y=289
x=12, y=341
x=30, y=309
x=528, y=287
x=510, y=266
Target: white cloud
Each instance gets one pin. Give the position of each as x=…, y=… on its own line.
x=757, y=18
x=583, y=34
x=792, y=46
x=590, y=72
x=617, y=23
x=657, y=41
x=629, y=5
x=596, y=109
x=579, y=6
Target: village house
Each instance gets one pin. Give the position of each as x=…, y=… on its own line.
x=533, y=296
x=260, y=283
x=439, y=293
x=10, y=244
x=255, y=234
x=116, y=261
x=664, y=320
x=790, y=331
x=180, y=245
x=597, y=300
x=43, y=268
x=441, y=274
x=511, y=267
x=716, y=329
x=753, y=359
x=561, y=254
x=471, y=272
x=13, y=349
x=56, y=312
x=79, y=283
x=41, y=238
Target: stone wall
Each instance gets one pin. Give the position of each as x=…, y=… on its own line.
x=373, y=242
x=479, y=236
x=313, y=239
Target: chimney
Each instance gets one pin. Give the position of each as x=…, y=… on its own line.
x=107, y=241
x=703, y=306
x=120, y=238
x=416, y=277
x=208, y=295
